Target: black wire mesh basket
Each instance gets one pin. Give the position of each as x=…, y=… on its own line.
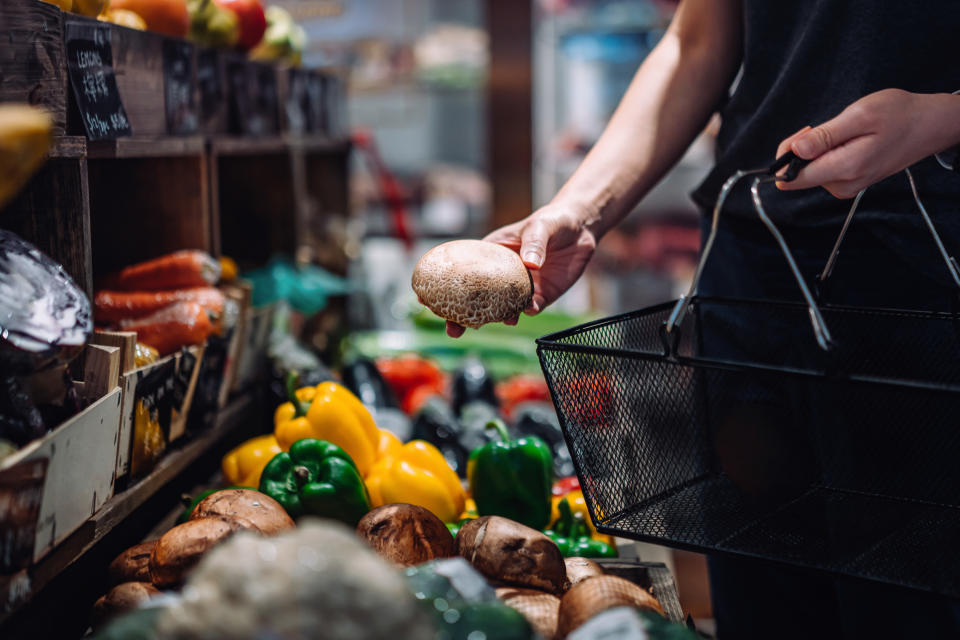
x=836, y=450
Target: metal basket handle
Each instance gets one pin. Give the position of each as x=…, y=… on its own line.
x=768, y=174
x=952, y=267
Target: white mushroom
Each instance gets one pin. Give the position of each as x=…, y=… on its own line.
x=472, y=282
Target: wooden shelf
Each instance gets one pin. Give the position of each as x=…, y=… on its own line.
x=237, y=146
x=23, y=586
x=165, y=147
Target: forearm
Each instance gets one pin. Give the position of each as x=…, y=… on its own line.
x=666, y=106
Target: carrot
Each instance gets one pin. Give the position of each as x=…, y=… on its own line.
x=178, y=270
x=110, y=307
x=175, y=326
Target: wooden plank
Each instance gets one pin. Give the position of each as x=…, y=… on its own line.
x=101, y=371
x=146, y=147
x=69, y=147
x=86, y=441
x=126, y=341
x=53, y=212
x=32, y=57
x=237, y=146
x=17, y=592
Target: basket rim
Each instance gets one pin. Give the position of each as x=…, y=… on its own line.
x=551, y=342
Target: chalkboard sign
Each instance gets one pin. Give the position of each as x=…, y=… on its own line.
x=316, y=109
x=181, y=107
x=297, y=105
x=253, y=93
x=21, y=492
x=208, y=81
x=90, y=67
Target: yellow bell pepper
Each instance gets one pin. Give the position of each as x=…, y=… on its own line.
x=578, y=503
x=417, y=473
x=244, y=464
x=334, y=415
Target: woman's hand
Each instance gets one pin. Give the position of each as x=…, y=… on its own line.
x=875, y=137
x=555, y=243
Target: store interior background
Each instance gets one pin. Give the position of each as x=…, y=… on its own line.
x=479, y=110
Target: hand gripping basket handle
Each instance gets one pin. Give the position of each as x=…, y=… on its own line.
x=793, y=165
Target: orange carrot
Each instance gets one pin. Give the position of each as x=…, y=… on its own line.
x=175, y=326
x=178, y=270
x=110, y=307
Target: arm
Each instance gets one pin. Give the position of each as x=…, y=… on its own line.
x=669, y=101
x=873, y=138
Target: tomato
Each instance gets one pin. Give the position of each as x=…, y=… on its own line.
x=522, y=388
x=253, y=21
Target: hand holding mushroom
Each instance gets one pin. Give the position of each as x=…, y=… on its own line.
x=472, y=282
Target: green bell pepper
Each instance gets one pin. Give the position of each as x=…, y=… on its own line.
x=316, y=478
x=572, y=536
x=512, y=478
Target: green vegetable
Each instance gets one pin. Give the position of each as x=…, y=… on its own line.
x=572, y=535
x=316, y=478
x=513, y=478
x=462, y=604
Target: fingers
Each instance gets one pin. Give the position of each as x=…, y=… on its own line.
x=454, y=330
x=536, y=305
x=843, y=170
x=512, y=321
x=534, y=240
x=785, y=144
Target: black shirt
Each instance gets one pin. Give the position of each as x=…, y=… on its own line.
x=804, y=61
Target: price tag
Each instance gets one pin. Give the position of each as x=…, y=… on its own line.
x=181, y=108
x=90, y=67
x=157, y=391
x=208, y=81
x=21, y=492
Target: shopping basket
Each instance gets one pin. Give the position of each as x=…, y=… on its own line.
x=836, y=450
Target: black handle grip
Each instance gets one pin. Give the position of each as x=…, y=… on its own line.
x=792, y=162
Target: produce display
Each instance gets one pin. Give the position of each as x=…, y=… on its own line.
x=168, y=301
x=267, y=34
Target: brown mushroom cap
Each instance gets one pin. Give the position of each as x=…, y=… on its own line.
x=473, y=282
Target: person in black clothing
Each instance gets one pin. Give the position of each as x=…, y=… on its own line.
x=862, y=89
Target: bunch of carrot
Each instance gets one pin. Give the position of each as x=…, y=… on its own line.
x=169, y=301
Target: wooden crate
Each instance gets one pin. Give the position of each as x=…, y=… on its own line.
x=165, y=386
x=34, y=69
x=77, y=460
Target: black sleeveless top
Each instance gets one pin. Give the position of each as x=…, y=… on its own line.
x=804, y=61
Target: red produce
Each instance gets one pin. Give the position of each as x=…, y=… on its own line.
x=253, y=21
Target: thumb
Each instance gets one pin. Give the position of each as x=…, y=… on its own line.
x=533, y=243
x=824, y=137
